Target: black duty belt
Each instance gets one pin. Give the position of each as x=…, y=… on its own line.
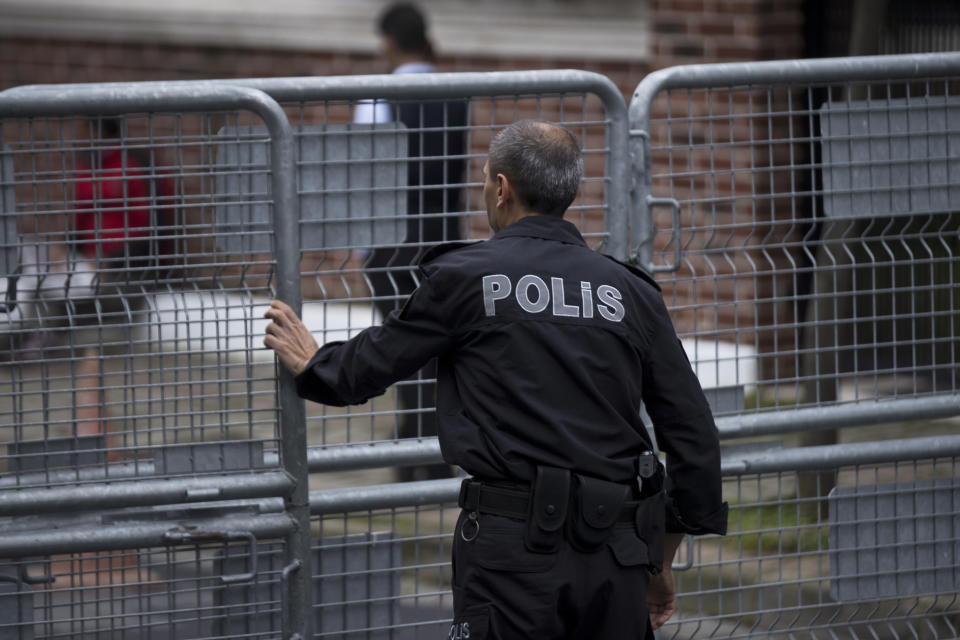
x=483, y=497
x=562, y=505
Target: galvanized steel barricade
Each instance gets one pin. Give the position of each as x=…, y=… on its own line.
x=151, y=467
x=190, y=500
x=157, y=425
x=802, y=217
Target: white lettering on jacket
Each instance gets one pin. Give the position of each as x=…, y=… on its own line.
x=533, y=295
x=459, y=631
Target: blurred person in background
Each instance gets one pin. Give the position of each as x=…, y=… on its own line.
x=119, y=220
x=116, y=235
x=436, y=146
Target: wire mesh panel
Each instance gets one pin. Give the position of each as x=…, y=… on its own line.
x=807, y=229
x=157, y=592
x=795, y=567
x=144, y=251
x=384, y=573
x=146, y=246
x=801, y=218
x=127, y=329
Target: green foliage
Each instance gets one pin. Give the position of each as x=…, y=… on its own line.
x=774, y=528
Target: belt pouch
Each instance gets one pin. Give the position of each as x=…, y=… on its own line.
x=469, y=498
x=650, y=521
x=548, y=510
x=596, y=509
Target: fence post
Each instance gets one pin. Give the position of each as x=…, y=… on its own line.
x=641, y=221
x=293, y=419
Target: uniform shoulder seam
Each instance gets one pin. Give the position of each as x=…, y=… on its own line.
x=637, y=271
x=435, y=252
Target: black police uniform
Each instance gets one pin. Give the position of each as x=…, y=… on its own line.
x=545, y=351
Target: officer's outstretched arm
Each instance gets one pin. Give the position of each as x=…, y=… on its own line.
x=352, y=372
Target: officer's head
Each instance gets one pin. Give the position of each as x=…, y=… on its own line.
x=533, y=167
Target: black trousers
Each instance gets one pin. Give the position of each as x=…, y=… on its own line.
x=501, y=591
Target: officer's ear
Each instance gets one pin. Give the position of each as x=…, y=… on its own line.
x=504, y=190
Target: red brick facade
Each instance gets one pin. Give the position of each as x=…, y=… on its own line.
x=695, y=31
x=680, y=32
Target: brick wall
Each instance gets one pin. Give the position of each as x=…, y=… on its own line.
x=723, y=249
x=681, y=32
x=695, y=31
x=37, y=60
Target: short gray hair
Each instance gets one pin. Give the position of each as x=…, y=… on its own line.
x=543, y=163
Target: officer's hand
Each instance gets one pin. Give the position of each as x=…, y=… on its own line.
x=661, y=597
x=289, y=338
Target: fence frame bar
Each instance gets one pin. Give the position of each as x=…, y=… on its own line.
x=831, y=456
x=411, y=494
x=79, y=539
x=427, y=450
x=252, y=94
x=871, y=413
x=377, y=455
x=144, y=492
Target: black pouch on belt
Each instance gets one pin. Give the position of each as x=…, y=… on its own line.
x=596, y=508
x=650, y=521
x=548, y=510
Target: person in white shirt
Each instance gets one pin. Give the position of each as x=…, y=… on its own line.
x=436, y=149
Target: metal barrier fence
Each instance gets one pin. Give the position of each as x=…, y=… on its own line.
x=802, y=219
x=159, y=479
x=141, y=399
x=124, y=390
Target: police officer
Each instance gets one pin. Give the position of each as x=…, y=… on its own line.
x=545, y=351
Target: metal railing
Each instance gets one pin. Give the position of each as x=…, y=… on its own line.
x=158, y=477
x=141, y=399
x=808, y=251
x=801, y=217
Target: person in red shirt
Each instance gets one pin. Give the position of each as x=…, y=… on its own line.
x=117, y=219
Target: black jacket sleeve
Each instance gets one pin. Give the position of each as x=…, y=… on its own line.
x=354, y=371
x=685, y=430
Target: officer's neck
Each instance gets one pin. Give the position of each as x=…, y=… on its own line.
x=507, y=218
